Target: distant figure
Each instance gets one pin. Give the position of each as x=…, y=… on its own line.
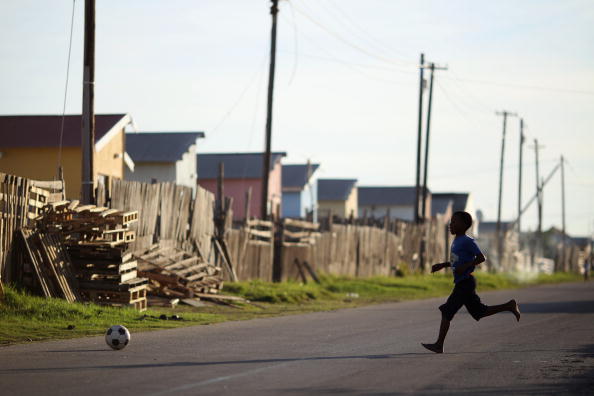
x=465, y=255
x=587, y=266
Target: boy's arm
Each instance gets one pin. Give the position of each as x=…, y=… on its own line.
x=479, y=258
x=440, y=266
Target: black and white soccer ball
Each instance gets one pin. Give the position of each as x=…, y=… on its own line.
x=117, y=337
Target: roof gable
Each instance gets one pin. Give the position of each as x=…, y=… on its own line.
x=296, y=175
x=335, y=189
x=44, y=130
x=237, y=165
x=160, y=146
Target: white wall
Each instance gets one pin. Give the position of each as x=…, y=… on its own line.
x=396, y=212
x=146, y=172
x=185, y=169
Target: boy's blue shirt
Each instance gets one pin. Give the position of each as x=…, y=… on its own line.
x=464, y=249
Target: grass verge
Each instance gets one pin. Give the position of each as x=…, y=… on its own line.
x=25, y=318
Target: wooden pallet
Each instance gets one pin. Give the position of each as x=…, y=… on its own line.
x=134, y=297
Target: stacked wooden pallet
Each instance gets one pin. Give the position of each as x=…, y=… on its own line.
x=97, y=240
x=44, y=265
x=175, y=273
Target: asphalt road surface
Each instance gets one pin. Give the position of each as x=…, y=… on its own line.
x=373, y=350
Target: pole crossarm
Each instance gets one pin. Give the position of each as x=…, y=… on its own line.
x=535, y=196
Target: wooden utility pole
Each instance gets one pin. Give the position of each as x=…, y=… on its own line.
x=538, y=188
x=88, y=112
x=520, y=175
x=419, y=138
x=432, y=67
x=563, y=212
x=505, y=114
x=267, y=154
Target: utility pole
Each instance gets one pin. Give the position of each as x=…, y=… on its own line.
x=432, y=67
x=520, y=177
x=539, y=187
x=419, y=137
x=505, y=114
x=88, y=112
x=563, y=211
x=267, y=155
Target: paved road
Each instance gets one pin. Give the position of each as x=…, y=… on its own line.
x=372, y=350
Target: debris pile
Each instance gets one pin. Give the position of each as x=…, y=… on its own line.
x=174, y=273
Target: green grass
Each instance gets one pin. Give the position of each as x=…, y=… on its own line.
x=25, y=318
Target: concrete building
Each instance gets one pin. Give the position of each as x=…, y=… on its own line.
x=398, y=201
x=337, y=197
x=242, y=172
x=33, y=146
x=299, y=191
x=163, y=157
x=447, y=203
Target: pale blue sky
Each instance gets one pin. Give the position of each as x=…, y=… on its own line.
x=346, y=83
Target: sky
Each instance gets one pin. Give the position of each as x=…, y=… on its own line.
x=346, y=85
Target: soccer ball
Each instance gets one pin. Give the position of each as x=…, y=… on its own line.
x=117, y=337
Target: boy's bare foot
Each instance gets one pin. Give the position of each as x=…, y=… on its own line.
x=515, y=309
x=433, y=347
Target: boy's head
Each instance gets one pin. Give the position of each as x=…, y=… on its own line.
x=460, y=222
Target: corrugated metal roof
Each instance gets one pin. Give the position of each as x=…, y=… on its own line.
x=237, y=165
x=335, y=189
x=440, y=205
x=295, y=175
x=160, y=146
x=459, y=200
x=44, y=130
x=387, y=196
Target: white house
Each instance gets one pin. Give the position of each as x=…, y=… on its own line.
x=163, y=157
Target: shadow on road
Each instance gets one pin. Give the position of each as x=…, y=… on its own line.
x=558, y=307
x=223, y=362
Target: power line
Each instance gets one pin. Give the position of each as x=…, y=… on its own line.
x=65, y=91
x=343, y=40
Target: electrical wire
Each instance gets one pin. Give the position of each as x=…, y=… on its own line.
x=66, y=87
x=228, y=113
x=345, y=41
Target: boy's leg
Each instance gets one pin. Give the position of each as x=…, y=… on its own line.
x=443, y=331
x=511, y=306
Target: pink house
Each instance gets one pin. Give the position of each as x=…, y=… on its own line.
x=242, y=171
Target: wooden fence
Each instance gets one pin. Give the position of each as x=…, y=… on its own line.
x=362, y=250
x=252, y=250
x=20, y=202
x=168, y=213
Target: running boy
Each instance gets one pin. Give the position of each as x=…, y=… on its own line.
x=465, y=255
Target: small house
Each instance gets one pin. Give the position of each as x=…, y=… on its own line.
x=447, y=203
x=337, y=197
x=34, y=146
x=299, y=191
x=398, y=201
x=163, y=157
x=243, y=172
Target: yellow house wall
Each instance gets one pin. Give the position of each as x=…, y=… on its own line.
x=340, y=208
x=40, y=163
x=352, y=204
x=106, y=162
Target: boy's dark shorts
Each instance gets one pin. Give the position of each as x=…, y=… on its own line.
x=464, y=293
